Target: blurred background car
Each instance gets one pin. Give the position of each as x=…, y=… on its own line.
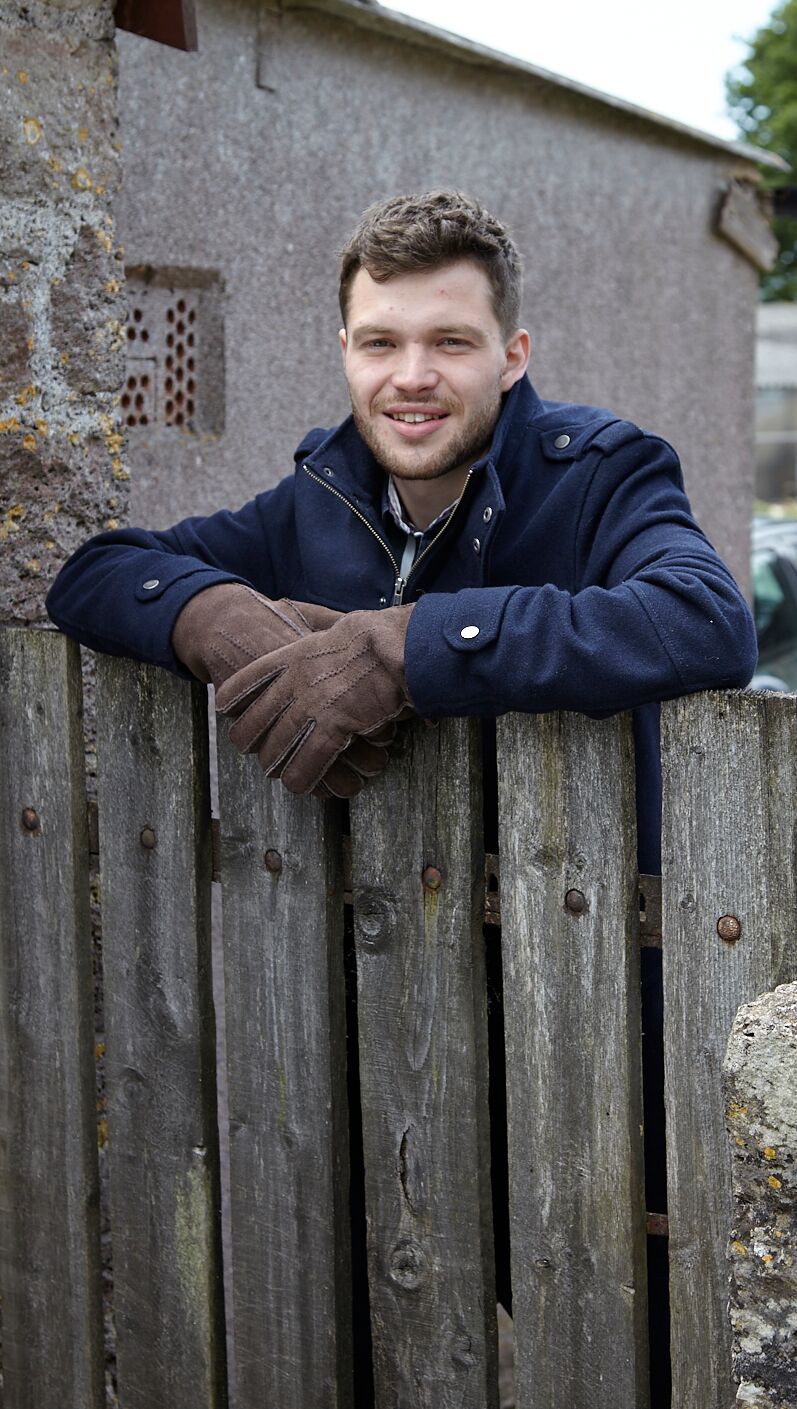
x=775, y=603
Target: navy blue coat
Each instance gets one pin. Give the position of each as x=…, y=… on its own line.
x=573, y=550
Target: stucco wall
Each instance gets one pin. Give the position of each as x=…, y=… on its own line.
x=632, y=300
x=62, y=477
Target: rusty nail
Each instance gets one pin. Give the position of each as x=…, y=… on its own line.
x=272, y=862
x=148, y=839
x=729, y=928
x=575, y=902
x=30, y=819
x=432, y=878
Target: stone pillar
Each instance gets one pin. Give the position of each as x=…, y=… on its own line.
x=761, y=1107
x=61, y=292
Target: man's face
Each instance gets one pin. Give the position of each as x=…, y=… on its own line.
x=426, y=364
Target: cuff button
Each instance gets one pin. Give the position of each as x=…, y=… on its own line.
x=151, y=583
x=469, y=632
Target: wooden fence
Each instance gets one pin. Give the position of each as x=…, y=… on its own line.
x=417, y=876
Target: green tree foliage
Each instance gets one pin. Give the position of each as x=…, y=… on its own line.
x=762, y=100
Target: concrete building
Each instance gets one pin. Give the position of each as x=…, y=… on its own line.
x=247, y=162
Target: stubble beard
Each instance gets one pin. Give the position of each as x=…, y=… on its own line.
x=467, y=447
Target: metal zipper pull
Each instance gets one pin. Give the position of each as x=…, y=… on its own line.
x=407, y=560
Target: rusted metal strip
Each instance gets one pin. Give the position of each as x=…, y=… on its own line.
x=347, y=892
x=650, y=911
x=657, y=1224
x=171, y=22
x=492, y=890
x=93, y=828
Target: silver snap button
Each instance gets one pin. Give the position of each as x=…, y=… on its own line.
x=562, y=442
x=468, y=632
x=383, y=601
x=327, y=472
x=476, y=546
x=150, y=583
x=487, y=515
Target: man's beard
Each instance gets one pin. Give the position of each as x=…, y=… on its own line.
x=467, y=447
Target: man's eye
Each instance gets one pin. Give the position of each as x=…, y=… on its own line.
x=376, y=344
x=454, y=342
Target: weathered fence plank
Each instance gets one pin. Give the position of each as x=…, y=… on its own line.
x=49, y=1231
x=282, y=889
x=417, y=866
x=779, y=744
x=570, y=910
x=726, y=859
x=155, y=873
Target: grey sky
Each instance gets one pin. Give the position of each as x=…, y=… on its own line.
x=667, y=55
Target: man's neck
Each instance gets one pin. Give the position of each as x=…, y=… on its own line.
x=425, y=499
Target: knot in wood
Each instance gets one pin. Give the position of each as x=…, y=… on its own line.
x=30, y=820
x=729, y=928
x=148, y=839
x=273, y=862
x=375, y=917
x=408, y=1265
x=432, y=878
x=575, y=902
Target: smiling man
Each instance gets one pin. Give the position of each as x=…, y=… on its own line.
x=456, y=546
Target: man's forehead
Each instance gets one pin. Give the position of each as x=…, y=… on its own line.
x=447, y=293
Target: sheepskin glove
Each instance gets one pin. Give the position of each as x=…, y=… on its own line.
x=300, y=707
x=225, y=628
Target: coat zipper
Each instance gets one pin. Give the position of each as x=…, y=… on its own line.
x=400, y=583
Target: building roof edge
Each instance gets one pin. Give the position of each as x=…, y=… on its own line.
x=369, y=15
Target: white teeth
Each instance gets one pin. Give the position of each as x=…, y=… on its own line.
x=412, y=416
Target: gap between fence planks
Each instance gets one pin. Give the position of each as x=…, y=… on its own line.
x=418, y=881
x=282, y=880
x=49, y=1232
x=570, y=913
x=728, y=850
x=163, y=1150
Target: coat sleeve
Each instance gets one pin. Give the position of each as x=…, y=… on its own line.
x=654, y=614
x=122, y=591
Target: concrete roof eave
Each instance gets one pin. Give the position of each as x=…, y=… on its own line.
x=405, y=28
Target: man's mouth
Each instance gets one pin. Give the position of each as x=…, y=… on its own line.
x=415, y=417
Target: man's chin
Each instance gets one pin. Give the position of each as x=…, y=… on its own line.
x=415, y=462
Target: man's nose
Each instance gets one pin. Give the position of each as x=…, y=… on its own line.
x=415, y=370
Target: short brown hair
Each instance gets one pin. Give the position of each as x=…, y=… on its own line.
x=423, y=232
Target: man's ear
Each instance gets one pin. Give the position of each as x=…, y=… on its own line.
x=517, y=353
x=342, y=337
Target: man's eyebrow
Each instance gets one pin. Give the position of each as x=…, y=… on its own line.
x=468, y=330
x=370, y=330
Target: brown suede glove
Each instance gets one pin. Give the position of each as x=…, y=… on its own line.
x=301, y=706
x=224, y=628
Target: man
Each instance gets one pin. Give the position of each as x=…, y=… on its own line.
x=457, y=546
x=476, y=550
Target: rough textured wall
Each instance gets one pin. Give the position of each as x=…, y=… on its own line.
x=61, y=298
x=632, y=300
x=761, y=1106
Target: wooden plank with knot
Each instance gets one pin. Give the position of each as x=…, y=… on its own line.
x=155, y=869
x=282, y=906
x=52, y=1351
x=418, y=880
x=570, y=920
